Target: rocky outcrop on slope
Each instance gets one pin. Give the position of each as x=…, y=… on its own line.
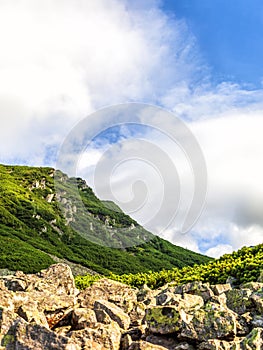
x=46, y=311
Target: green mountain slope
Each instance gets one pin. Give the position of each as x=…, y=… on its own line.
x=40, y=221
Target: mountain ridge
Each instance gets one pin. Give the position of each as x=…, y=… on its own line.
x=33, y=228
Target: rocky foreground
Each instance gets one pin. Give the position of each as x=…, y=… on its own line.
x=46, y=311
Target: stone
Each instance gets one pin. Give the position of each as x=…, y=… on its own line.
x=168, y=342
x=215, y=344
x=211, y=322
x=144, y=345
x=30, y=313
x=82, y=318
x=257, y=321
x=163, y=319
x=186, y=302
x=126, y=341
x=115, y=312
x=101, y=337
x=221, y=288
x=32, y=336
x=253, y=341
x=137, y=314
x=117, y=293
x=184, y=346
x=102, y=316
x=60, y=278
x=238, y=300
x=253, y=286
x=257, y=299
x=196, y=288
x=46, y=311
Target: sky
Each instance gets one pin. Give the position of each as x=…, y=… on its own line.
x=62, y=60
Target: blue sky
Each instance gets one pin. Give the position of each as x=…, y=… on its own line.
x=229, y=34
x=199, y=59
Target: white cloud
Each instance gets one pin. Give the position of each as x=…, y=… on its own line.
x=220, y=249
x=60, y=60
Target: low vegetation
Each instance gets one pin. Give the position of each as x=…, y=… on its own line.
x=245, y=265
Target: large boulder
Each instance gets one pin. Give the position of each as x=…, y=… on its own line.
x=163, y=319
x=120, y=294
x=212, y=321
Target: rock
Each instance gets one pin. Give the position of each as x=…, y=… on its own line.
x=253, y=341
x=7, y=318
x=186, y=302
x=195, y=288
x=102, y=316
x=215, y=344
x=83, y=318
x=184, y=346
x=244, y=324
x=146, y=295
x=163, y=319
x=211, y=322
x=137, y=314
x=30, y=313
x=46, y=311
x=60, y=278
x=15, y=284
x=101, y=337
x=144, y=345
x=126, y=342
x=238, y=300
x=257, y=321
x=6, y=299
x=169, y=342
x=253, y=286
x=257, y=299
x=31, y=336
x=115, y=313
x=221, y=288
x=123, y=296
x=232, y=281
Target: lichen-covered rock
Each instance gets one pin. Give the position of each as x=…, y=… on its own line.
x=211, y=322
x=238, y=300
x=196, y=288
x=253, y=286
x=59, y=278
x=257, y=299
x=185, y=302
x=215, y=344
x=7, y=319
x=253, y=341
x=26, y=336
x=163, y=319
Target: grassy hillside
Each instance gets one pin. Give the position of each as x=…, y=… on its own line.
x=39, y=222
x=245, y=265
